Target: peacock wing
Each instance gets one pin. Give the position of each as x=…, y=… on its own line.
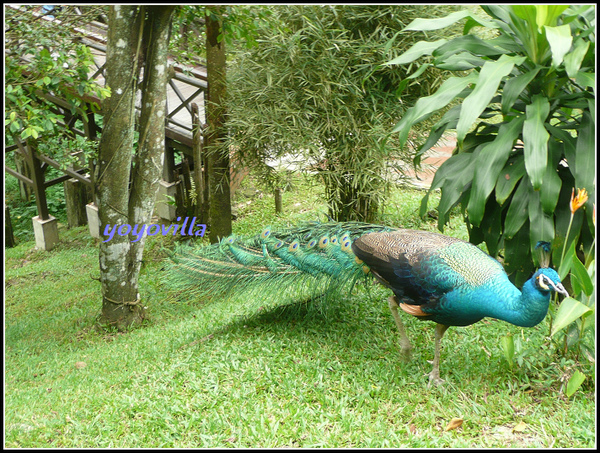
x=422, y=266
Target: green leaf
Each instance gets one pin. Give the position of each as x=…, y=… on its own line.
x=449, y=90
x=453, y=177
x=469, y=43
x=417, y=51
x=574, y=59
x=574, y=383
x=585, y=150
x=436, y=24
x=508, y=346
x=488, y=81
x=535, y=140
x=552, y=182
x=491, y=160
x=560, y=41
x=570, y=310
x=510, y=175
x=514, y=87
x=580, y=279
x=541, y=225
x=517, y=211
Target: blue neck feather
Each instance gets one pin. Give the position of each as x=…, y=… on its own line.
x=525, y=308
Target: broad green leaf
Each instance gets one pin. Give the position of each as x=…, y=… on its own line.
x=552, y=182
x=586, y=79
x=514, y=87
x=573, y=59
x=436, y=24
x=535, y=140
x=508, y=346
x=580, y=279
x=548, y=14
x=490, y=162
x=585, y=150
x=574, y=383
x=510, y=175
x=488, y=81
x=469, y=43
x=517, y=212
x=460, y=62
x=453, y=177
x=570, y=310
x=424, y=107
x=541, y=225
x=417, y=51
x=560, y=41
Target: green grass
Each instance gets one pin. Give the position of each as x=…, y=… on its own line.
x=216, y=375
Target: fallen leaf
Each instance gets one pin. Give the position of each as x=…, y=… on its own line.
x=80, y=365
x=519, y=427
x=454, y=423
x=412, y=428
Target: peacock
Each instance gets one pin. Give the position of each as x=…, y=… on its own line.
x=432, y=276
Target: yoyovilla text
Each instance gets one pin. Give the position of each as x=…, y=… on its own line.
x=154, y=229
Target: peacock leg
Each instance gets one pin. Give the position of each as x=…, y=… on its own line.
x=434, y=376
x=405, y=346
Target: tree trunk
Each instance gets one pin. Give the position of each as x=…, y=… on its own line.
x=136, y=35
x=217, y=157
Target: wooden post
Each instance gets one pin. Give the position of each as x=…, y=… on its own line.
x=76, y=198
x=278, y=201
x=8, y=230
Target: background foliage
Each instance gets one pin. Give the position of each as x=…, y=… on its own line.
x=314, y=91
x=525, y=125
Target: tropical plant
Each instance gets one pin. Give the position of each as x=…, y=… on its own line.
x=524, y=126
x=314, y=91
x=43, y=59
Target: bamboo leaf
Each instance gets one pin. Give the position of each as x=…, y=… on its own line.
x=488, y=81
x=570, y=310
x=560, y=41
x=574, y=383
x=535, y=140
x=417, y=51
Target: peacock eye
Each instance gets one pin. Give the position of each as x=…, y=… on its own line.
x=542, y=283
x=293, y=246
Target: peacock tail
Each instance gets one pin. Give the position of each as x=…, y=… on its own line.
x=296, y=263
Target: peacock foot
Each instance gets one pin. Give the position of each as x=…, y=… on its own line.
x=405, y=352
x=435, y=379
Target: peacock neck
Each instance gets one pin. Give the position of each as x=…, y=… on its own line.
x=525, y=308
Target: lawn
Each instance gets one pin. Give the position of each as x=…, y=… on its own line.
x=298, y=375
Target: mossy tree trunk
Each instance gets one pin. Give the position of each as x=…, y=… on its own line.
x=127, y=178
x=218, y=156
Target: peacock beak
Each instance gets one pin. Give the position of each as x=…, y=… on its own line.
x=559, y=288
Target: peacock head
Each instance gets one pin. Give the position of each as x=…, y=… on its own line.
x=546, y=280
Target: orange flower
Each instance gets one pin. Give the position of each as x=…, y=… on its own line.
x=579, y=200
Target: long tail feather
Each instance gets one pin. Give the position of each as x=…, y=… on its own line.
x=293, y=263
